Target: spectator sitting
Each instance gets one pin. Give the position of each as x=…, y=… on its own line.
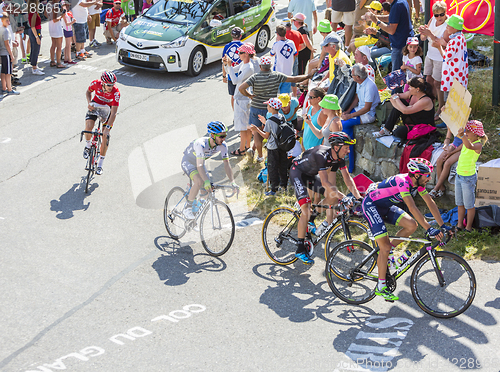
x=362, y=108
x=435, y=30
x=418, y=110
x=312, y=131
x=284, y=53
x=412, y=61
x=449, y=156
x=332, y=44
x=333, y=112
x=115, y=21
x=362, y=55
x=383, y=44
x=276, y=158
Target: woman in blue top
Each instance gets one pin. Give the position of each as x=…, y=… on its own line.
x=312, y=129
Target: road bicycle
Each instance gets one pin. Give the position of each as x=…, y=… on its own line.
x=214, y=219
x=280, y=239
x=95, y=149
x=442, y=283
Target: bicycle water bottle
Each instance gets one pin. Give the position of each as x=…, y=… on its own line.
x=195, y=206
x=321, y=228
x=404, y=257
x=392, y=261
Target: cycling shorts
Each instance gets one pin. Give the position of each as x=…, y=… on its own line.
x=102, y=111
x=376, y=216
x=189, y=168
x=302, y=182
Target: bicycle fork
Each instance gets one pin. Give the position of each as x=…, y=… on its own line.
x=435, y=264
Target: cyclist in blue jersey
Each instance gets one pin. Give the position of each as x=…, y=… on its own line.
x=310, y=171
x=379, y=206
x=193, y=162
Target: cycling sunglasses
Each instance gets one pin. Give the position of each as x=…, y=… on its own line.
x=109, y=85
x=220, y=135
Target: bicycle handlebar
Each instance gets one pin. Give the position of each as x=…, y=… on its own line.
x=338, y=207
x=86, y=131
x=234, y=190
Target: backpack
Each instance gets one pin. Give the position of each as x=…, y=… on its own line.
x=285, y=135
x=487, y=216
x=418, y=144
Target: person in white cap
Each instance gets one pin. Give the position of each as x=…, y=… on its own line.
x=362, y=55
x=306, y=7
x=265, y=84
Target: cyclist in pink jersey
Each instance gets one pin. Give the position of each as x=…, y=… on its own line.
x=379, y=206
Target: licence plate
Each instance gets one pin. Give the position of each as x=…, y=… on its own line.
x=140, y=57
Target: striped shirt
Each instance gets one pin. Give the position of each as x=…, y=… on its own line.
x=265, y=86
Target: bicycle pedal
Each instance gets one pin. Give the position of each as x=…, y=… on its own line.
x=389, y=300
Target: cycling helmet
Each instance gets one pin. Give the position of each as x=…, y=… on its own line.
x=420, y=165
x=216, y=127
x=340, y=139
x=108, y=77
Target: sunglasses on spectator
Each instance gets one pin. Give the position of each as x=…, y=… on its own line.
x=311, y=97
x=439, y=15
x=242, y=52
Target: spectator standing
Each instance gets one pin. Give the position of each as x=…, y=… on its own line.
x=312, y=131
x=296, y=37
x=231, y=51
x=333, y=123
x=308, y=9
x=284, y=53
x=6, y=55
x=146, y=4
x=399, y=27
x=239, y=74
x=93, y=22
x=305, y=53
x=362, y=55
x=138, y=7
x=113, y=22
x=35, y=35
x=412, y=61
x=80, y=27
x=362, y=108
x=67, y=25
x=54, y=15
x=277, y=159
x=474, y=139
x=455, y=63
x=435, y=30
x=344, y=11
x=128, y=7
x=265, y=84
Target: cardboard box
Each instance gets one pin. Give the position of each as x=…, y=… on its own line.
x=488, y=183
x=483, y=202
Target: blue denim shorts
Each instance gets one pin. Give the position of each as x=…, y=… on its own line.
x=254, y=116
x=465, y=191
x=81, y=32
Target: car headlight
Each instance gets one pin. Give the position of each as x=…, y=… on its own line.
x=177, y=43
x=123, y=36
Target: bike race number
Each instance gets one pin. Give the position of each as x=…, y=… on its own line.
x=478, y=15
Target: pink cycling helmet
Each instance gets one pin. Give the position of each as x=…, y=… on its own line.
x=420, y=165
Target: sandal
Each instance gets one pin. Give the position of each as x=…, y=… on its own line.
x=238, y=152
x=53, y=64
x=383, y=132
x=61, y=66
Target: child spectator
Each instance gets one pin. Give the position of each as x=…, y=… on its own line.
x=6, y=55
x=128, y=7
x=277, y=159
x=474, y=139
x=284, y=52
x=231, y=50
x=68, y=22
x=412, y=61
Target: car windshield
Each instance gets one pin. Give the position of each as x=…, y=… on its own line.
x=186, y=12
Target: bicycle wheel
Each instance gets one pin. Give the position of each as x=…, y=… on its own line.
x=90, y=167
x=356, y=231
x=349, y=283
x=217, y=228
x=172, y=213
x=455, y=296
x=279, y=235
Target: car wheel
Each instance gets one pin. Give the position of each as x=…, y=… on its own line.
x=262, y=39
x=196, y=61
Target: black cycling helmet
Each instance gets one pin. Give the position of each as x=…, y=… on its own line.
x=108, y=77
x=340, y=139
x=216, y=127
x=420, y=165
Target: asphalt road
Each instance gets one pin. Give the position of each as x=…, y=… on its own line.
x=93, y=282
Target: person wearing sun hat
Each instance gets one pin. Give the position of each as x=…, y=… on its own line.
x=474, y=138
x=362, y=37
x=333, y=112
x=276, y=158
x=308, y=9
x=455, y=62
x=362, y=55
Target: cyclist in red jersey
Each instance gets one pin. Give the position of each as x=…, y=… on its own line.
x=104, y=104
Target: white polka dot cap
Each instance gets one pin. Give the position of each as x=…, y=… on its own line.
x=275, y=103
x=265, y=60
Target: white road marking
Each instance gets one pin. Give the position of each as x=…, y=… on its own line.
x=5, y=140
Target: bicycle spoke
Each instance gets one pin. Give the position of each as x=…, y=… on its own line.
x=217, y=228
x=172, y=213
x=356, y=230
x=279, y=235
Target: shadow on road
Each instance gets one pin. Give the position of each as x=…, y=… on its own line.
x=72, y=200
x=178, y=263
x=496, y=302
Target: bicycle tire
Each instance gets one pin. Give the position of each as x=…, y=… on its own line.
x=457, y=294
x=172, y=213
x=278, y=226
x=357, y=231
x=90, y=166
x=215, y=223
x=347, y=286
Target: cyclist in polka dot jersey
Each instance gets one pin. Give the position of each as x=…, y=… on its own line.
x=455, y=63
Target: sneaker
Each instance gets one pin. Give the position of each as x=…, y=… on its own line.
x=188, y=213
x=259, y=159
x=24, y=60
x=305, y=258
x=250, y=152
x=87, y=54
x=388, y=296
x=81, y=56
x=86, y=153
x=99, y=171
x=13, y=93
x=271, y=193
x=97, y=43
x=38, y=72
